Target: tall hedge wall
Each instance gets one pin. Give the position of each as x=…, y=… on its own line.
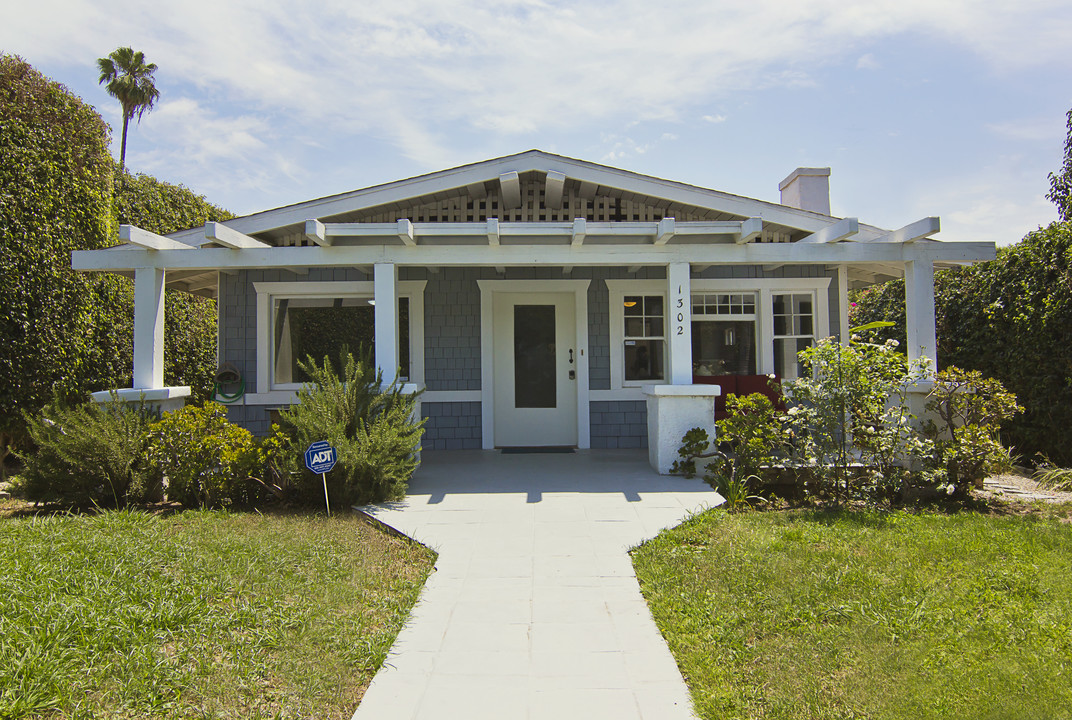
x=1011, y=319
x=55, y=197
x=65, y=333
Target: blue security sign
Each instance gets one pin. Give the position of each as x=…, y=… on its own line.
x=320, y=457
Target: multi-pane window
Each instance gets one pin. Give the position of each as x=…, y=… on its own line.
x=794, y=330
x=724, y=334
x=644, y=337
x=320, y=327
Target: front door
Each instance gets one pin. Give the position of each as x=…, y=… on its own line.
x=535, y=369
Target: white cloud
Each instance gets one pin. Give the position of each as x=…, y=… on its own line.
x=1047, y=129
x=715, y=119
x=867, y=61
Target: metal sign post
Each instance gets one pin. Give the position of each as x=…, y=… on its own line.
x=320, y=458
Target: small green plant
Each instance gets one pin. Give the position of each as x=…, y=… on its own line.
x=1050, y=476
x=94, y=453
x=208, y=461
x=970, y=409
x=374, y=430
x=694, y=444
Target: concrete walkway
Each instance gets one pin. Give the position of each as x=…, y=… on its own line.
x=534, y=610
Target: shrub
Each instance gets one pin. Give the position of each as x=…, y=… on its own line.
x=850, y=416
x=94, y=453
x=970, y=409
x=207, y=461
x=374, y=431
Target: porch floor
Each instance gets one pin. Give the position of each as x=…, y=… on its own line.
x=534, y=610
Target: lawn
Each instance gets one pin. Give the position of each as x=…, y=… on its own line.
x=841, y=614
x=198, y=614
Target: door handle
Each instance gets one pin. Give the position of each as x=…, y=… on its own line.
x=571, y=356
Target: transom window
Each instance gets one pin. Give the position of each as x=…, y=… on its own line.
x=724, y=304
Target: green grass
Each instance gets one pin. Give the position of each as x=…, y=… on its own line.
x=197, y=614
x=806, y=614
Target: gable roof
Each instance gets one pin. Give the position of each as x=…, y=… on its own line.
x=475, y=192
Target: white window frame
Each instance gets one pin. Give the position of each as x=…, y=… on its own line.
x=617, y=291
x=269, y=292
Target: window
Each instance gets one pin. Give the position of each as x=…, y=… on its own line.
x=794, y=330
x=321, y=327
x=300, y=319
x=644, y=337
x=723, y=334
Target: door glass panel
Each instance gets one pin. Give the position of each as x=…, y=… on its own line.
x=535, y=381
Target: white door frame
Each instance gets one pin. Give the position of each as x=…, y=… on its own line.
x=488, y=288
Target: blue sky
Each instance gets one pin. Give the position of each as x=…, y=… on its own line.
x=920, y=107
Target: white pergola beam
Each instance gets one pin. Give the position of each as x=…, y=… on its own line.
x=134, y=235
x=405, y=232
x=553, y=188
x=510, y=187
x=476, y=190
x=129, y=258
x=315, y=231
x=492, y=231
x=751, y=229
x=580, y=230
x=665, y=231
x=220, y=233
x=915, y=231
x=841, y=230
x=588, y=190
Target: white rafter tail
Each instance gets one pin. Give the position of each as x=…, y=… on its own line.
x=510, y=185
x=588, y=190
x=501, y=269
x=315, y=231
x=632, y=269
x=433, y=269
x=405, y=232
x=580, y=230
x=918, y=230
x=134, y=235
x=841, y=230
x=552, y=190
x=298, y=270
x=202, y=284
x=567, y=269
x=751, y=229
x=773, y=267
x=665, y=231
x=699, y=268
x=220, y=233
x=476, y=190
x=493, y=231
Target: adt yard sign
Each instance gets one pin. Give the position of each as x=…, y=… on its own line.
x=320, y=457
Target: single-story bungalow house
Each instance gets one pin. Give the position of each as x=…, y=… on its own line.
x=538, y=300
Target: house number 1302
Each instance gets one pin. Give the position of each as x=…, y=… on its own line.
x=680, y=326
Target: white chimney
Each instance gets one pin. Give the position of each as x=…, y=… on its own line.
x=807, y=189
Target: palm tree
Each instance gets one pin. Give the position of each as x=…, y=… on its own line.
x=130, y=81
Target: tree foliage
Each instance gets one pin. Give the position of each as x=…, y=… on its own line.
x=63, y=334
x=130, y=81
x=1009, y=319
x=55, y=197
x=1060, y=193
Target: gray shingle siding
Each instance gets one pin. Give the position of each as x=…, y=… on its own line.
x=451, y=426
x=619, y=424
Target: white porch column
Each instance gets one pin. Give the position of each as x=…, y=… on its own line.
x=843, y=303
x=385, y=289
x=919, y=311
x=680, y=318
x=148, y=328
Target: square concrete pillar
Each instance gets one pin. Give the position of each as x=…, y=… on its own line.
x=673, y=410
